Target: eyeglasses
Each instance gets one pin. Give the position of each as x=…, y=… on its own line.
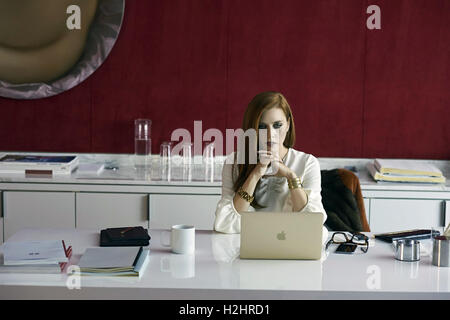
x=356, y=238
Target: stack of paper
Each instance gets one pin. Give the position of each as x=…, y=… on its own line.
x=86, y=169
x=35, y=257
x=114, y=261
x=398, y=170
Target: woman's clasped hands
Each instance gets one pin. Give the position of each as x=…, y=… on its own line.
x=270, y=164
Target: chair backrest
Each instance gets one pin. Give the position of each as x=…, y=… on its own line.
x=351, y=181
x=342, y=200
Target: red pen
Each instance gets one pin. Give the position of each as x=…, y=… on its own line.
x=126, y=230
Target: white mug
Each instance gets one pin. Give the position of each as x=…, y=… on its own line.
x=182, y=239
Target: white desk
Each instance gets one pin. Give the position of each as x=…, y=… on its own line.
x=216, y=272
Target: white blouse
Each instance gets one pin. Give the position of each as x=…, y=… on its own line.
x=272, y=193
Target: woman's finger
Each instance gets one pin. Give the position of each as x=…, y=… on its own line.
x=265, y=160
x=264, y=152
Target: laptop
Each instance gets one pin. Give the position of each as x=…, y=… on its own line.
x=281, y=235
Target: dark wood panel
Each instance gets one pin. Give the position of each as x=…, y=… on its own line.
x=311, y=51
x=407, y=108
x=354, y=92
x=60, y=123
x=169, y=66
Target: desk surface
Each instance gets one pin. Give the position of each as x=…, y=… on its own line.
x=216, y=272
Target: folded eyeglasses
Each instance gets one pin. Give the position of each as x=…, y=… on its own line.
x=354, y=238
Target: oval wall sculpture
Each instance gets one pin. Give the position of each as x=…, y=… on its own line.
x=40, y=56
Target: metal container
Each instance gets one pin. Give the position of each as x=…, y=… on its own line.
x=441, y=251
x=406, y=250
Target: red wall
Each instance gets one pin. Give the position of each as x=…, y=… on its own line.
x=354, y=92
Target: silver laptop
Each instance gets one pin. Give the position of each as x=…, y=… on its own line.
x=281, y=235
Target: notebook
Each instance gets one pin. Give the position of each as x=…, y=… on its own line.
x=281, y=235
x=416, y=234
x=114, y=261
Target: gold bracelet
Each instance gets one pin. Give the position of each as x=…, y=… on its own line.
x=295, y=183
x=244, y=195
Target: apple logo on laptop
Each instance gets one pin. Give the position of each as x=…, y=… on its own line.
x=281, y=235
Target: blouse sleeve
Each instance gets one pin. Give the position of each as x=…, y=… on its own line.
x=312, y=186
x=227, y=219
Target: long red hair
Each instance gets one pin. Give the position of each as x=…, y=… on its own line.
x=259, y=104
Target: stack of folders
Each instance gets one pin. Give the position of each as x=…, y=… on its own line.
x=399, y=170
x=114, y=261
x=35, y=257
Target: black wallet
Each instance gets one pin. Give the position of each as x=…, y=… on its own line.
x=124, y=237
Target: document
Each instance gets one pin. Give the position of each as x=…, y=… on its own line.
x=34, y=252
x=89, y=169
x=406, y=167
x=402, y=178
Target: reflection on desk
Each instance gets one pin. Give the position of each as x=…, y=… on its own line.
x=260, y=274
x=180, y=266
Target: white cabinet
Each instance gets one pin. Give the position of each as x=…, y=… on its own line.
x=1, y=218
x=403, y=214
x=108, y=210
x=367, y=209
x=23, y=209
x=170, y=209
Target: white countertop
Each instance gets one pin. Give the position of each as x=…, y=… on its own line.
x=127, y=175
x=217, y=272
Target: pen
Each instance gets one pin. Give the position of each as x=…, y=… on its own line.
x=126, y=230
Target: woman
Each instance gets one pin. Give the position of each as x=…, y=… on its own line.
x=283, y=179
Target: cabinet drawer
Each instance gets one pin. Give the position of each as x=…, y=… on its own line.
x=447, y=213
x=1, y=230
x=108, y=210
x=1, y=217
x=197, y=210
x=23, y=209
x=404, y=214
